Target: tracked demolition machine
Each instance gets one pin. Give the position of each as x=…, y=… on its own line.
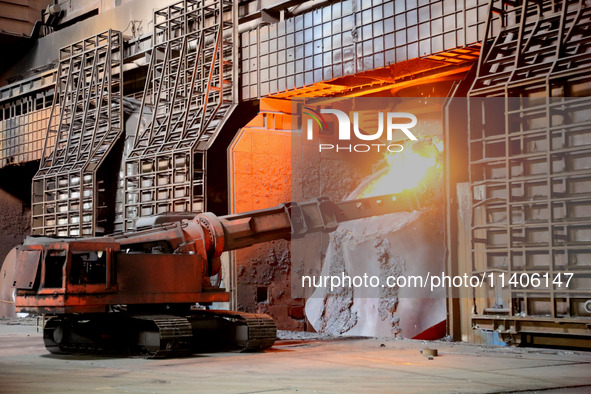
x=138, y=292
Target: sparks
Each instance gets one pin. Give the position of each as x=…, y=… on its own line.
x=411, y=168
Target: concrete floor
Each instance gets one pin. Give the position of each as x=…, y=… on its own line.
x=343, y=365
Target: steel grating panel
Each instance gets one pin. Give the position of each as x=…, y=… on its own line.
x=530, y=170
x=67, y=194
x=550, y=43
x=190, y=92
x=351, y=36
x=23, y=126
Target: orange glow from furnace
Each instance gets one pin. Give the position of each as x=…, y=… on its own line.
x=414, y=167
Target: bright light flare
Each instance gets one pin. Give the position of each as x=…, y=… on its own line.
x=414, y=167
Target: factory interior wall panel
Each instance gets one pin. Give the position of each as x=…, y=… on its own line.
x=22, y=136
x=260, y=177
x=218, y=185
x=352, y=36
x=529, y=175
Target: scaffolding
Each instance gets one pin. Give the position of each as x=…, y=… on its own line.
x=190, y=92
x=530, y=172
x=68, y=195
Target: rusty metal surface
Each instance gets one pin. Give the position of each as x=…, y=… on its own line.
x=27, y=262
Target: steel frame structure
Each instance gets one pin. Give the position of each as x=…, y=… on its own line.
x=349, y=37
x=190, y=91
x=23, y=126
x=66, y=195
x=529, y=170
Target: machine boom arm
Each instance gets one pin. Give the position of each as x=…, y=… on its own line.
x=297, y=219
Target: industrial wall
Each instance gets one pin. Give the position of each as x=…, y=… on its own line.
x=260, y=177
x=529, y=173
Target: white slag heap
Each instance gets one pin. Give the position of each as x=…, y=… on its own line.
x=398, y=244
x=389, y=245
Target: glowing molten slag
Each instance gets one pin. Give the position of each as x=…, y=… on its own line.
x=414, y=167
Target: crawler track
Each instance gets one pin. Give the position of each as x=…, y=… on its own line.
x=158, y=335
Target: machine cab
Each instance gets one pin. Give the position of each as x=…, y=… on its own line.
x=48, y=273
